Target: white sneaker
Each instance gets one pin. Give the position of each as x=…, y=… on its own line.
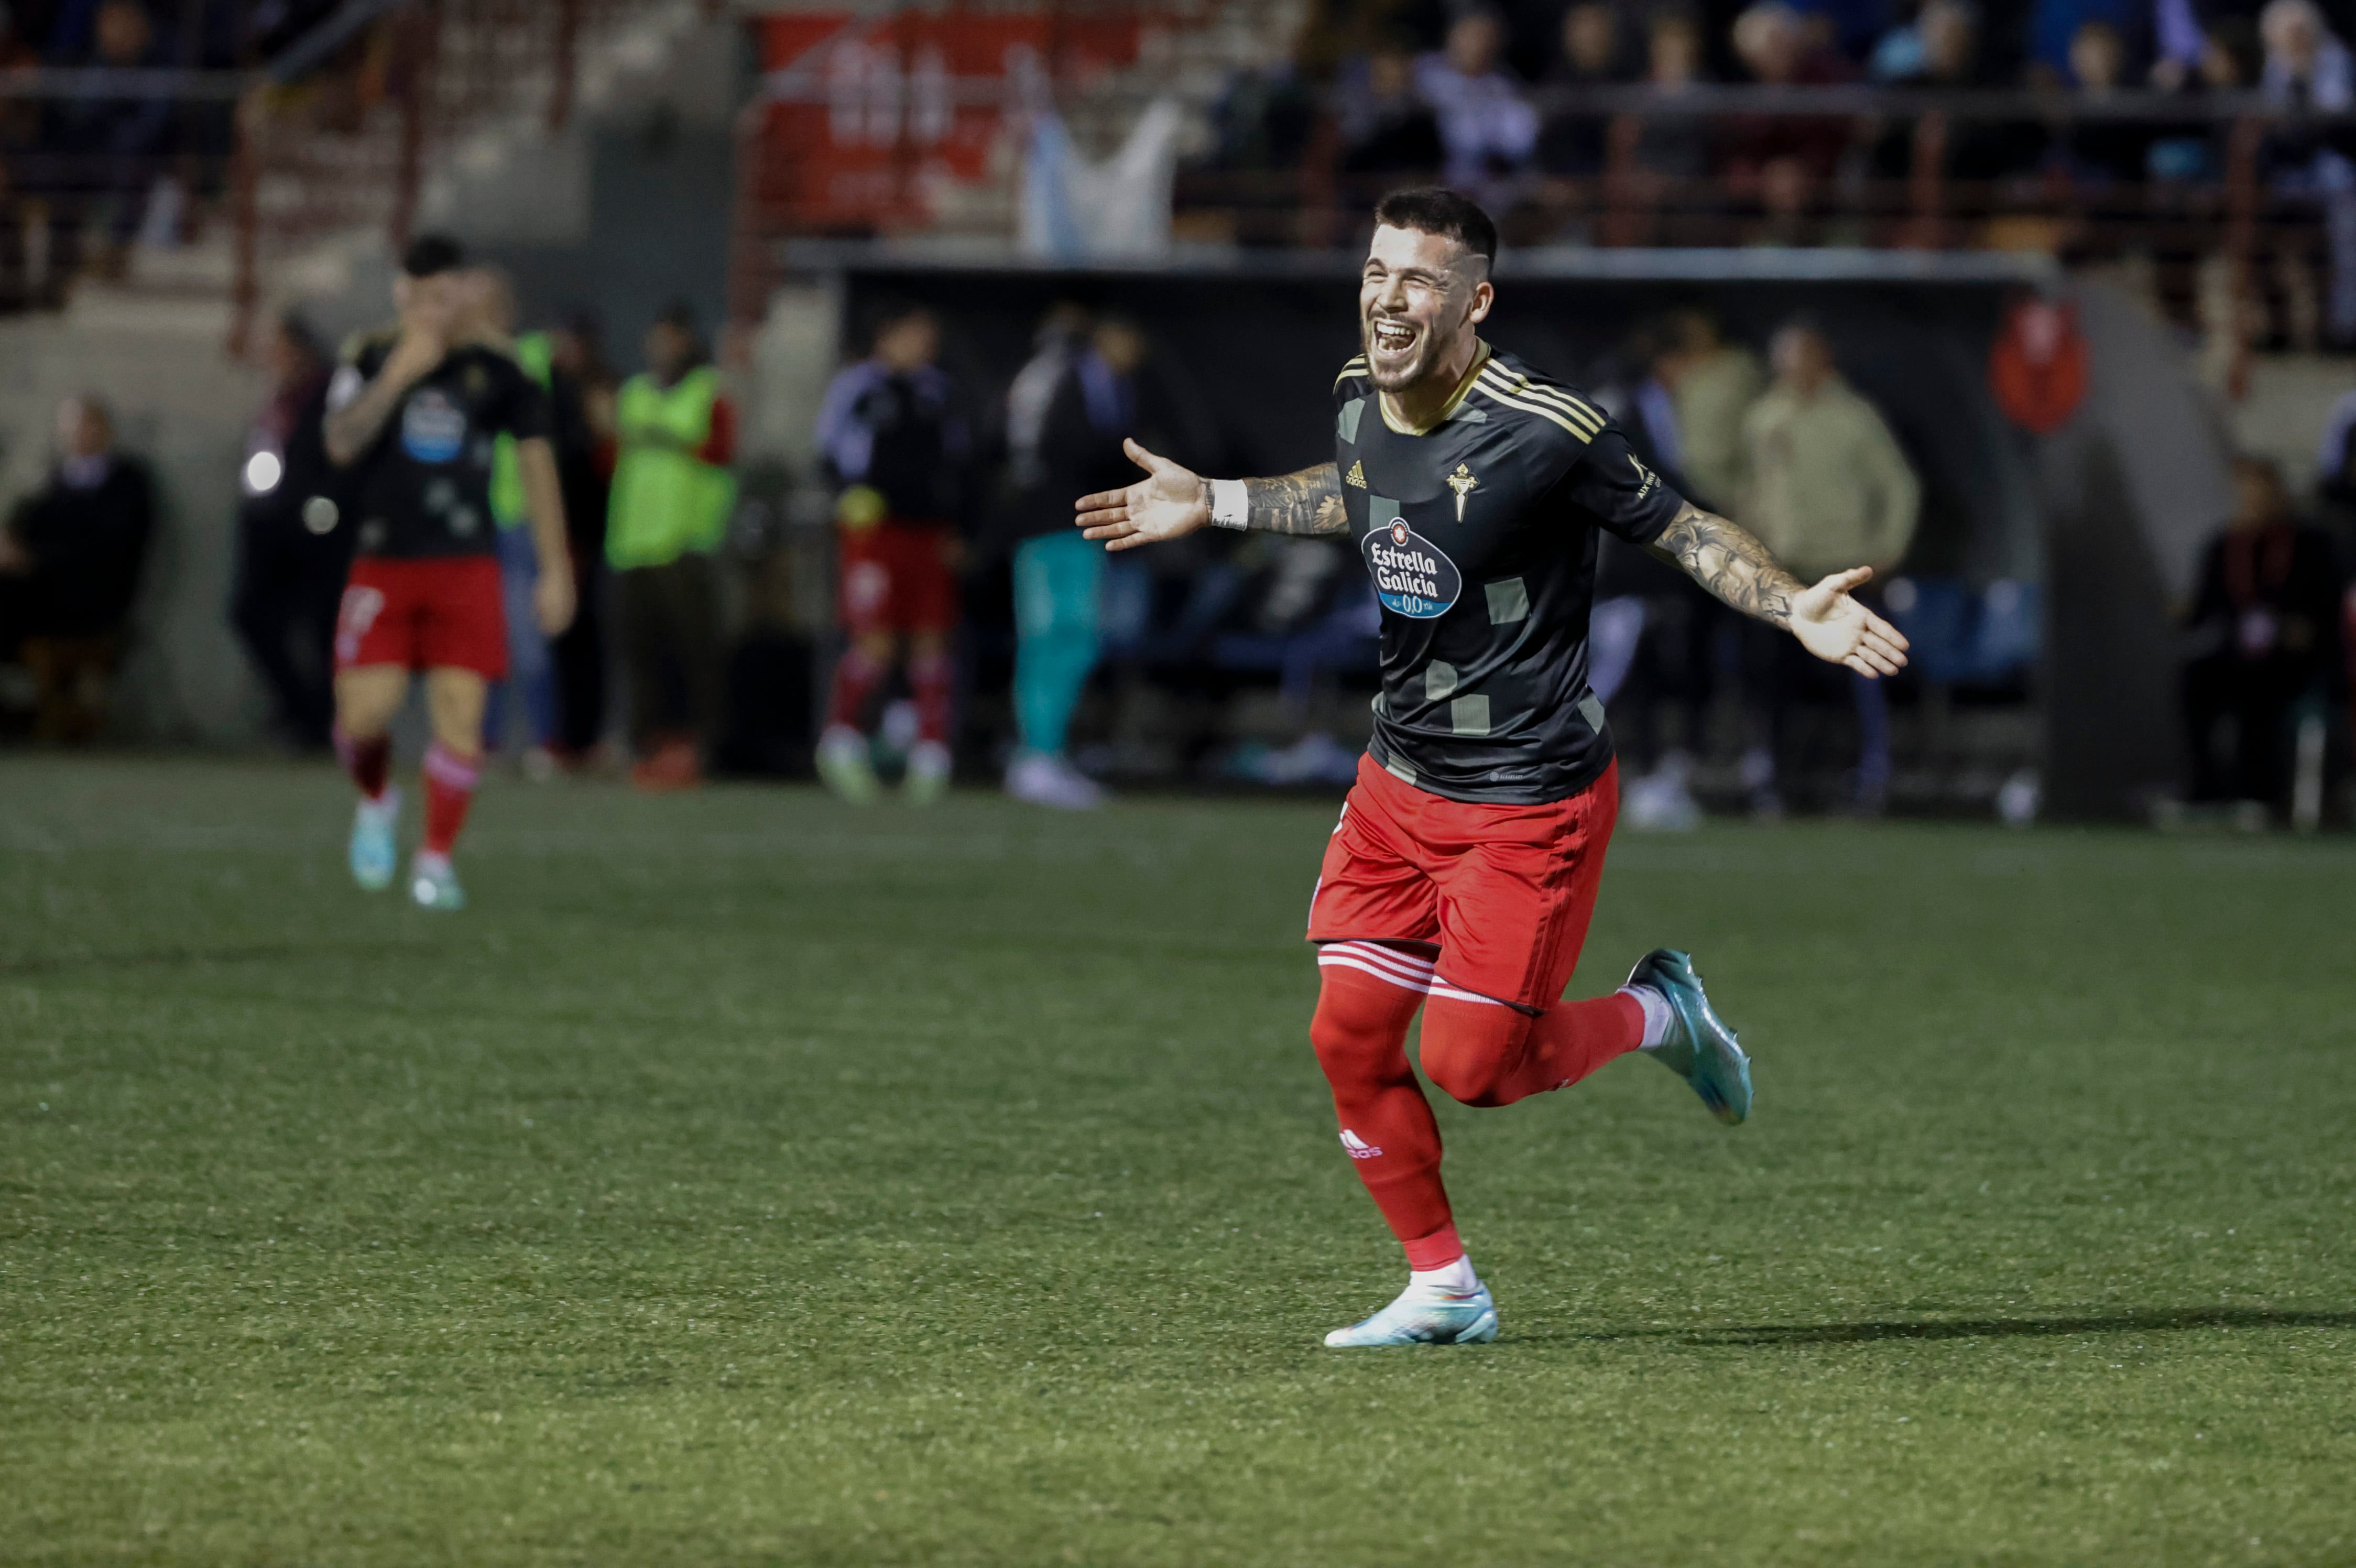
x=1661, y=801
x=1047, y=780
x=928, y=773
x=1425, y=1314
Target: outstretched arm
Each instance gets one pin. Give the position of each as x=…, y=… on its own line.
x=1738, y=569
x=1172, y=501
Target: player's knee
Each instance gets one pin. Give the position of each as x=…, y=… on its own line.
x=1359, y=1032
x=1469, y=1049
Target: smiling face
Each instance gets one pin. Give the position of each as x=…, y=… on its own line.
x=1420, y=298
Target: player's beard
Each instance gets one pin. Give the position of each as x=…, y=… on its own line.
x=1395, y=376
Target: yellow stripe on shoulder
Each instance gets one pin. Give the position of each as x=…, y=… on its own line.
x=1356, y=367
x=1543, y=411
x=1523, y=387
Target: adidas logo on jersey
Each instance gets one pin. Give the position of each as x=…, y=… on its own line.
x=1359, y=1148
x=1356, y=476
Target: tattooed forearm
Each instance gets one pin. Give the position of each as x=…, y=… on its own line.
x=1730, y=563
x=1307, y=502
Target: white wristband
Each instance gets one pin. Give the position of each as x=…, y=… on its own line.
x=1230, y=505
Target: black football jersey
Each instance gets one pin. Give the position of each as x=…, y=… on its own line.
x=425, y=488
x=1480, y=532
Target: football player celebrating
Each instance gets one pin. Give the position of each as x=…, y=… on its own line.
x=414, y=413
x=1463, y=872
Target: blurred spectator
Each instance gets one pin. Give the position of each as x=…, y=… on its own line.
x=2228, y=59
x=1828, y=489
x=2100, y=152
x=105, y=144
x=291, y=557
x=70, y=563
x=1067, y=414
x=1775, y=45
x=896, y=442
x=2309, y=71
x=1486, y=126
x=2180, y=39
x=2264, y=621
x=1594, y=53
x=672, y=496
x=584, y=467
x=1263, y=120
x=1948, y=53
x=1711, y=384
x=2054, y=27
x=1672, y=146
x=1387, y=130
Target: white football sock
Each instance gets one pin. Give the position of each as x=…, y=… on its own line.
x=1457, y=1276
x=1659, y=1017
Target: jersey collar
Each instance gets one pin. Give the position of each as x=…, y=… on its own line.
x=1383, y=401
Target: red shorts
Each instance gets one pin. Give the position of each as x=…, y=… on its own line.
x=1505, y=892
x=896, y=577
x=433, y=612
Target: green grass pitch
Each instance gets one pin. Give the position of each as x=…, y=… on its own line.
x=746, y=1180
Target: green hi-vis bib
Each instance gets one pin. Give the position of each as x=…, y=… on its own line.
x=667, y=501
x=537, y=355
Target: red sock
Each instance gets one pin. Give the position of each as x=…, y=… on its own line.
x=1485, y=1053
x=1360, y=1033
x=856, y=677
x=450, y=781
x=928, y=677
x=367, y=761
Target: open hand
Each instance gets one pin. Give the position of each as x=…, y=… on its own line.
x=1169, y=503
x=1837, y=629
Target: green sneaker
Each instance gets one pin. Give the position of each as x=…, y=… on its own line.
x=373, y=855
x=1700, y=1050
x=432, y=884
x=844, y=764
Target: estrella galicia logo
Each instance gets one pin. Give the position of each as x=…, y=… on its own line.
x=1413, y=578
x=432, y=428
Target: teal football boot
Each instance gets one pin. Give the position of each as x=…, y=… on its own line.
x=1425, y=1314
x=373, y=853
x=1700, y=1049
x=432, y=884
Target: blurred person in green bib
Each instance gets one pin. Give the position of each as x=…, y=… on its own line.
x=673, y=492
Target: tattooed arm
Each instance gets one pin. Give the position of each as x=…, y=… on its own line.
x=1734, y=566
x=1307, y=502
x=1172, y=501
x=1738, y=569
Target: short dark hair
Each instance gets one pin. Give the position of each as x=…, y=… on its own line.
x=1435, y=210
x=431, y=254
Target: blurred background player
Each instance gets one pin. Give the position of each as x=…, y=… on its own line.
x=291, y=555
x=673, y=491
x=1067, y=414
x=531, y=681
x=892, y=434
x=71, y=560
x=414, y=413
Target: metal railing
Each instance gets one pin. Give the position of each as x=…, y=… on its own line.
x=333, y=135
x=2232, y=209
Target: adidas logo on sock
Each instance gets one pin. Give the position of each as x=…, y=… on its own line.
x=1359, y=1148
x=1356, y=476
